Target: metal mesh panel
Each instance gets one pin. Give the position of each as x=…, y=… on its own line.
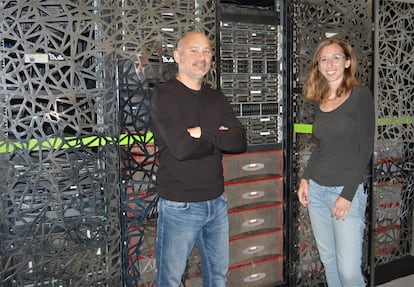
x=393, y=175
x=149, y=31
x=313, y=21
x=394, y=151
x=59, y=220
x=63, y=62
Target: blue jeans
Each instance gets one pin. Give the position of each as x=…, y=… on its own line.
x=339, y=242
x=183, y=224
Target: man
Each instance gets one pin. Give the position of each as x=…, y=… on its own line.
x=193, y=125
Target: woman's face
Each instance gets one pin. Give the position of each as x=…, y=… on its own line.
x=332, y=63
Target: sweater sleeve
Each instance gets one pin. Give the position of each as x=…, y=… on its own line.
x=171, y=129
x=365, y=117
x=307, y=173
x=232, y=140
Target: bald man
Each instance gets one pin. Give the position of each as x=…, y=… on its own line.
x=193, y=126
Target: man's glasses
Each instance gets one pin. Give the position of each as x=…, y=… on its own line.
x=335, y=59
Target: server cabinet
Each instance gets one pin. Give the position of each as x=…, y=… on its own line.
x=250, y=74
x=250, y=70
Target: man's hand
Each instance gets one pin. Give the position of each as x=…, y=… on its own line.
x=194, y=132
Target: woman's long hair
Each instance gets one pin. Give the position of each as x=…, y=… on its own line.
x=316, y=88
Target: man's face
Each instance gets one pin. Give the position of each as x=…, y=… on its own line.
x=193, y=56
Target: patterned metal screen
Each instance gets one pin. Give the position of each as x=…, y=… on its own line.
x=313, y=21
x=390, y=76
x=145, y=47
x=77, y=157
x=59, y=203
x=394, y=85
x=77, y=160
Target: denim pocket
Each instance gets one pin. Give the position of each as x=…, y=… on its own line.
x=359, y=202
x=175, y=204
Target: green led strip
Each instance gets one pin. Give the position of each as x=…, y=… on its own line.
x=302, y=128
x=73, y=142
x=128, y=139
x=392, y=121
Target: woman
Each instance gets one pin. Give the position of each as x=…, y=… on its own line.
x=331, y=186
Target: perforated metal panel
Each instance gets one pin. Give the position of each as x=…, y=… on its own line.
x=392, y=84
x=394, y=178
x=59, y=204
x=65, y=67
x=312, y=22
x=64, y=218
x=149, y=31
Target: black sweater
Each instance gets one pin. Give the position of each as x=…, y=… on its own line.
x=190, y=169
x=345, y=143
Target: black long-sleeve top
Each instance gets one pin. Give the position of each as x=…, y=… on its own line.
x=345, y=143
x=190, y=169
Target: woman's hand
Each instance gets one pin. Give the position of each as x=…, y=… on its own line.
x=341, y=208
x=303, y=192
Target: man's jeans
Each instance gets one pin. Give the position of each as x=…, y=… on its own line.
x=339, y=242
x=180, y=225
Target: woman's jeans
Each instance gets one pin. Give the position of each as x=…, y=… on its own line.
x=340, y=241
x=180, y=225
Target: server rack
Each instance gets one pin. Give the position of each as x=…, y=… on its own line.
x=250, y=70
x=250, y=48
